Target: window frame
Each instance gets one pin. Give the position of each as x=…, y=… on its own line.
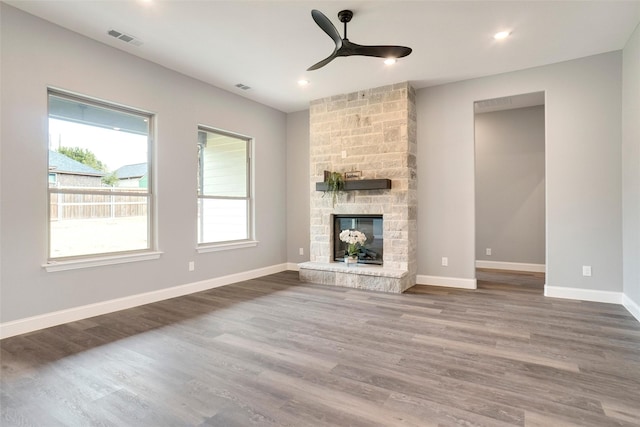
x=115, y=257
x=250, y=241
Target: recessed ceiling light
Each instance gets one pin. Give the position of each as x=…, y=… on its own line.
x=501, y=35
x=303, y=82
x=390, y=61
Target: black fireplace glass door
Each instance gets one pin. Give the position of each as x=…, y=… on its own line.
x=371, y=226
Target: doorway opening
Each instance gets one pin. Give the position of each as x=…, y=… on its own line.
x=510, y=214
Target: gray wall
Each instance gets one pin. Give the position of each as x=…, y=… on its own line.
x=510, y=185
x=583, y=163
x=36, y=54
x=631, y=166
x=298, y=203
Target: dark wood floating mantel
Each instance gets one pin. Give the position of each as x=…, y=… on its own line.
x=359, y=184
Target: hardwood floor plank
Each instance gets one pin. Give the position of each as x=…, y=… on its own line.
x=621, y=411
x=534, y=419
x=468, y=326
x=362, y=409
x=497, y=352
x=438, y=414
x=309, y=412
x=277, y=352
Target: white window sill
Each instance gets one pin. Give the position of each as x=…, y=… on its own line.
x=75, y=264
x=227, y=246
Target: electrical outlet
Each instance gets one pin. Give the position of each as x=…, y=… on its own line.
x=301, y=251
x=192, y=265
x=487, y=251
x=445, y=261
x=586, y=270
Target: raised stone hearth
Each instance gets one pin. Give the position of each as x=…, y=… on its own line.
x=372, y=131
x=362, y=276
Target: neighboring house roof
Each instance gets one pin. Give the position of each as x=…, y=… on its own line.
x=60, y=163
x=137, y=170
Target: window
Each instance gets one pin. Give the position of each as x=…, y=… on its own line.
x=224, y=189
x=100, y=196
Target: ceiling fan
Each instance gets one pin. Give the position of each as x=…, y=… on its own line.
x=346, y=48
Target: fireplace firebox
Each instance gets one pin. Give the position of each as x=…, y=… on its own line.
x=371, y=225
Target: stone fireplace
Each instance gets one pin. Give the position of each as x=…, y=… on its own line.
x=371, y=132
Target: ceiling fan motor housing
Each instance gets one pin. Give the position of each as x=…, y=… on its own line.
x=345, y=15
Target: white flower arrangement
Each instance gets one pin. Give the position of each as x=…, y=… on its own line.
x=355, y=239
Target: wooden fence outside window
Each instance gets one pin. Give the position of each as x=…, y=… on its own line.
x=65, y=206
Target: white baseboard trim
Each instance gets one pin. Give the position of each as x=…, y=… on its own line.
x=630, y=305
x=30, y=324
x=449, y=282
x=583, y=294
x=512, y=266
x=293, y=266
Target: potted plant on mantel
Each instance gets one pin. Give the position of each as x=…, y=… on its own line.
x=335, y=185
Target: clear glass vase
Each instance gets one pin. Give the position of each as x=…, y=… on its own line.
x=351, y=261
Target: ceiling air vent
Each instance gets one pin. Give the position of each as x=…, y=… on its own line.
x=243, y=86
x=496, y=102
x=125, y=37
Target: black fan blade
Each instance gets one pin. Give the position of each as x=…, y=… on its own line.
x=349, y=48
x=323, y=62
x=325, y=24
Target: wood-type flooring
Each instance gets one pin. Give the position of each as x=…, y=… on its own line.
x=273, y=351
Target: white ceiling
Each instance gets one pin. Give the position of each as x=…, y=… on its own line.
x=268, y=45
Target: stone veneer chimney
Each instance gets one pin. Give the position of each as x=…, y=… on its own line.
x=376, y=129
